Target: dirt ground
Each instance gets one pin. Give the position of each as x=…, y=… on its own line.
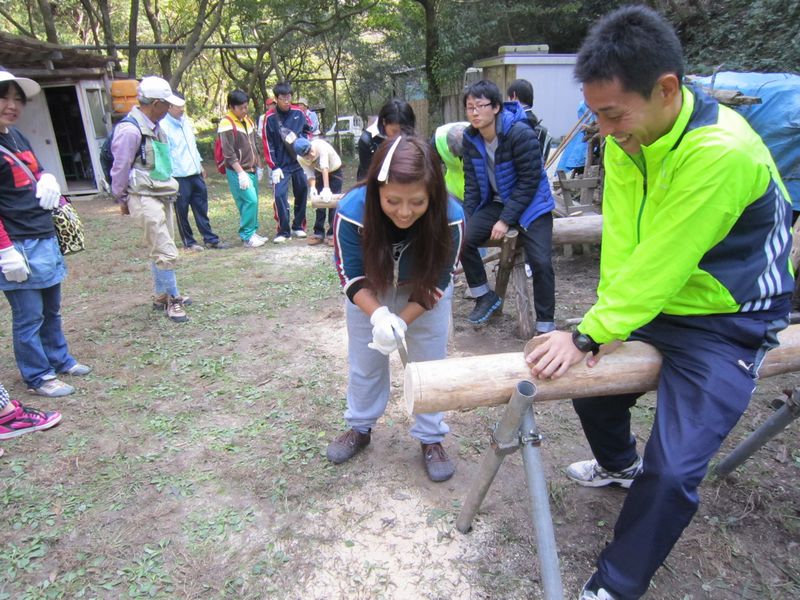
x=191, y=463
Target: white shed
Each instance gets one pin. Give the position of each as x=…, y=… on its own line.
x=556, y=94
x=67, y=122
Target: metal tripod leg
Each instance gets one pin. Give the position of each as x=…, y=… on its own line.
x=540, y=508
x=518, y=428
x=770, y=428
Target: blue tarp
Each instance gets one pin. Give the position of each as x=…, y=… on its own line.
x=776, y=119
x=574, y=154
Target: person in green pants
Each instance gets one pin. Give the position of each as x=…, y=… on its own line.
x=243, y=165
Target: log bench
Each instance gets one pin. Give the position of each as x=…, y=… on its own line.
x=511, y=268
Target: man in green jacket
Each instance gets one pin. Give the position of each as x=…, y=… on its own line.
x=695, y=261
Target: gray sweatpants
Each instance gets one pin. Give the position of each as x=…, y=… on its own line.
x=368, y=384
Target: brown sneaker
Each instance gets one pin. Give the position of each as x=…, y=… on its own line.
x=347, y=445
x=438, y=466
x=160, y=302
x=175, y=310
x=329, y=242
x=314, y=240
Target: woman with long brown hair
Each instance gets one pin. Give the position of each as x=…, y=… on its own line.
x=397, y=239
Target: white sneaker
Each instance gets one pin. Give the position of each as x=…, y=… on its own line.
x=261, y=237
x=299, y=233
x=590, y=474
x=254, y=241
x=279, y=239
x=600, y=594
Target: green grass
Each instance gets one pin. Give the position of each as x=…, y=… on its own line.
x=190, y=464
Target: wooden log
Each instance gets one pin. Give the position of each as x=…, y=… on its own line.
x=489, y=380
x=317, y=202
x=586, y=229
x=507, y=254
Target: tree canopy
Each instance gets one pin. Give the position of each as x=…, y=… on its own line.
x=342, y=53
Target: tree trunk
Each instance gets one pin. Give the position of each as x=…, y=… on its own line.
x=431, y=53
x=49, y=23
x=133, y=44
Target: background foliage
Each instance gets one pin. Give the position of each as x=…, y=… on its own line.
x=360, y=44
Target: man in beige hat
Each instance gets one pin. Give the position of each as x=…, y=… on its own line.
x=141, y=180
x=302, y=103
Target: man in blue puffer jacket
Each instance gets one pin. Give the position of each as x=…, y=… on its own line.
x=505, y=186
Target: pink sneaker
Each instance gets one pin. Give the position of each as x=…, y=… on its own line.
x=24, y=419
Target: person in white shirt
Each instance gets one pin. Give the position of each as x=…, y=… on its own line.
x=323, y=166
x=188, y=171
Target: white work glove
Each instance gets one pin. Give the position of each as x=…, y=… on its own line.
x=244, y=180
x=48, y=191
x=277, y=175
x=384, y=324
x=13, y=265
x=259, y=173
x=326, y=194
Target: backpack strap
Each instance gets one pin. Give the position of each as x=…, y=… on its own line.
x=142, y=141
x=233, y=126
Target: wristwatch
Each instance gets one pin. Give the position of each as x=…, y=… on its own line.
x=584, y=342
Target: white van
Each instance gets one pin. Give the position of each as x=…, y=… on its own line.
x=347, y=125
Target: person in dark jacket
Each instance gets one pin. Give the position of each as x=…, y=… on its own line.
x=282, y=127
x=521, y=90
x=505, y=186
x=395, y=117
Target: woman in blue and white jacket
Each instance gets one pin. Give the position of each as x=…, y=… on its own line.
x=397, y=240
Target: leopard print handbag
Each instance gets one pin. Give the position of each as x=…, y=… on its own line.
x=69, y=229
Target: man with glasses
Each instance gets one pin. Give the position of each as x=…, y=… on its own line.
x=505, y=186
x=282, y=128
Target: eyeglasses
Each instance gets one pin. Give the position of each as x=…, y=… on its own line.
x=285, y=97
x=477, y=108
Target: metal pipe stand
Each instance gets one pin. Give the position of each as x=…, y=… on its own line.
x=517, y=429
x=769, y=429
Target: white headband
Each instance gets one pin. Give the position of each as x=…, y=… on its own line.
x=383, y=174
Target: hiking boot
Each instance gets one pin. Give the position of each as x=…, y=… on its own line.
x=484, y=308
x=53, y=388
x=78, y=370
x=219, y=245
x=314, y=240
x=347, y=445
x=591, y=592
x=591, y=474
x=437, y=464
x=299, y=233
x=279, y=239
x=160, y=302
x=175, y=310
x=254, y=242
x=24, y=419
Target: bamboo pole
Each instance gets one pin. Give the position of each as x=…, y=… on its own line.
x=490, y=380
